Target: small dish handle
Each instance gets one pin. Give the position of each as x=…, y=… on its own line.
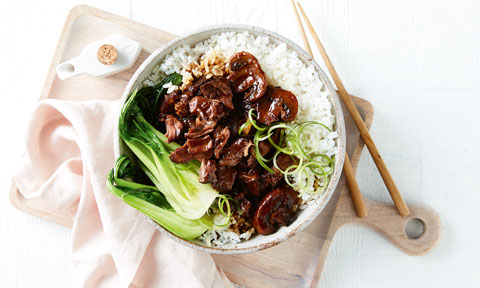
x=69, y=69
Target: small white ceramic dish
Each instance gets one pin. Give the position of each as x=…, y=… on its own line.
x=87, y=62
x=304, y=217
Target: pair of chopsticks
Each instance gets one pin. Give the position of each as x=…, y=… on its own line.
x=347, y=166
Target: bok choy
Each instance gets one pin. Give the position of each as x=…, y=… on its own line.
x=176, y=200
x=150, y=201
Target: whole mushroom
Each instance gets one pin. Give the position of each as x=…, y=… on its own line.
x=247, y=75
x=276, y=208
x=276, y=105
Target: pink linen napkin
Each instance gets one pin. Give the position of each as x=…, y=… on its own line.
x=68, y=156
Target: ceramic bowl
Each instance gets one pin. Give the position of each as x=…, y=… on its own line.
x=304, y=217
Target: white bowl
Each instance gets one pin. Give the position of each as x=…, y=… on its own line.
x=304, y=217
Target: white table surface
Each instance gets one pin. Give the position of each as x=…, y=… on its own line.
x=418, y=62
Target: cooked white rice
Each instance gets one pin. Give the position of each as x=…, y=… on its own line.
x=283, y=68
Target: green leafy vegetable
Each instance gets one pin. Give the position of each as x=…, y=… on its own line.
x=178, y=182
x=167, y=192
x=149, y=99
x=149, y=200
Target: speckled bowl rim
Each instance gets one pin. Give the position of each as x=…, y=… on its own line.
x=296, y=227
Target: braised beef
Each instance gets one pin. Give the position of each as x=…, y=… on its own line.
x=251, y=161
x=206, y=108
x=174, y=128
x=247, y=76
x=218, y=88
x=188, y=121
x=181, y=155
x=276, y=208
x=235, y=152
x=181, y=107
x=169, y=101
x=264, y=147
x=272, y=180
x=234, y=121
x=207, y=114
x=220, y=137
x=193, y=88
x=225, y=178
x=243, y=202
x=284, y=161
x=206, y=174
x=276, y=105
x=200, y=127
x=251, y=181
x=200, y=148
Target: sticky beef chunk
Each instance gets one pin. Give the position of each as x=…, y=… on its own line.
x=225, y=178
x=206, y=174
x=200, y=148
x=218, y=88
x=200, y=127
x=168, y=103
x=243, y=202
x=181, y=155
x=207, y=108
x=181, y=107
x=221, y=136
x=251, y=181
x=193, y=88
x=235, y=152
x=174, y=128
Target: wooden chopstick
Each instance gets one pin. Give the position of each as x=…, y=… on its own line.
x=302, y=31
x=347, y=166
x=382, y=168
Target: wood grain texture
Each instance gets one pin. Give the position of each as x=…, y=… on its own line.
x=297, y=262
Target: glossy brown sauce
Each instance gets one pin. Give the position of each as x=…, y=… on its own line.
x=205, y=119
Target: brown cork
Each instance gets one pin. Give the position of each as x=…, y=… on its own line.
x=107, y=54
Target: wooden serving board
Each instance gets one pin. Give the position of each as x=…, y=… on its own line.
x=297, y=262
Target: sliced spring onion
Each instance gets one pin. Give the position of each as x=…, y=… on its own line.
x=290, y=143
x=224, y=200
x=244, y=127
x=254, y=123
x=288, y=137
x=258, y=155
x=308, y=165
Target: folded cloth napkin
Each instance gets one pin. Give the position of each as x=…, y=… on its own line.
x=68, y=156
